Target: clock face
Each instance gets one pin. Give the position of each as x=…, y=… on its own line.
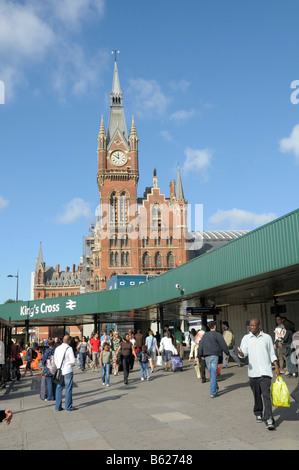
x=118, y=158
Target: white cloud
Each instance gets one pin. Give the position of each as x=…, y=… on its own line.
x=197, y=160
x=73, y=12
x=291, y=144
x=179, y=117
x=3, y=203
x=74, y=210
x=23, y=35
x=181, y=85
x=239, y=219
x=44, y=32
x=148, y=97
x=75, y=71
x=167, y=136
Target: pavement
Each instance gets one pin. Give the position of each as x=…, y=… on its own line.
x=172, y=411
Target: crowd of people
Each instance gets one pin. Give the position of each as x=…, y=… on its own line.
x=111, y=354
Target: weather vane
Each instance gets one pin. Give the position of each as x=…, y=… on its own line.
x=115, y=52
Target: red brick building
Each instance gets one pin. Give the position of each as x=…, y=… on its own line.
x=132, y=235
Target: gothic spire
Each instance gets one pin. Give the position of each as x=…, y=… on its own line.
x=117, y=118
x=40, y=259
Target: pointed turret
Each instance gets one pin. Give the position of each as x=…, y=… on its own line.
x=102, y=138
x=40, y=260
x=179, y=187
x=133, y=139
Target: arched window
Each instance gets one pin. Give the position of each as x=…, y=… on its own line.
x=158, y=260
x=170, y=260
x=113, y=208
x=156, y=215
x=146, y=260
x=122, y=203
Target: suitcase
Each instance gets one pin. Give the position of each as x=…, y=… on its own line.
x=43, y=388
x=176, y=363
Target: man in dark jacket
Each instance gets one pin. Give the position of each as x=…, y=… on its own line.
x=211, y=346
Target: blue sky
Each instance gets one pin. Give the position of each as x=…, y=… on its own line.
x=209, y=85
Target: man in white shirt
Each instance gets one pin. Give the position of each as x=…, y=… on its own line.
x=64, y=358
x=258, y=346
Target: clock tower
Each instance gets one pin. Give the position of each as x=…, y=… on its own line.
x=133, y=235
x=115, y=250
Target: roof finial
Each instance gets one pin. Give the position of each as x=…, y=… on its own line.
x=115, y=52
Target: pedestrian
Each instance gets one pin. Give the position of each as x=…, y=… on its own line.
x=229, y=338
x=179, y=339
x=83, y=350
x=193, y=349
x=258, y=346
x=105, y=339
x=64, y=358
x=167, y=347
x=48, y=363
x=211, y=346
x=105, y=362
x=133, y=341
x=95, y=344
x=143, y=358
x=114, y=347
x=16, y=360
x=28, y=359
x=279, y=333
x=152, y=347
x=139, y=340
x=126, y=349
x=202, y=362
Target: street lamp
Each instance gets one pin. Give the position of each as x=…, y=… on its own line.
x=17, y=276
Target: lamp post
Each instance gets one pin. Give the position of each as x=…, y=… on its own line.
x=17, y=276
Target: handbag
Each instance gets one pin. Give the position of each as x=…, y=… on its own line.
x=197, y=370
x=58, y=372
x=159, y=361
x=279, y=393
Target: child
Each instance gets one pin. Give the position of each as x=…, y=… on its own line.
x=105, y=358
x=28, y=359
x=143, y=357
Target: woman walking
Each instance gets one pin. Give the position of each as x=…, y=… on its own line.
x=48, y=363
x=116, y=339
x=126, y=349
x=152, y=347
x=83, y=349
x=167, y=347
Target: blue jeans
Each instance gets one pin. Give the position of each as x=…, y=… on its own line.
x=51, y=388
x=105, y=373
x=144, y=369
x=82, y=360
x=212, y=364
x=66, y=380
